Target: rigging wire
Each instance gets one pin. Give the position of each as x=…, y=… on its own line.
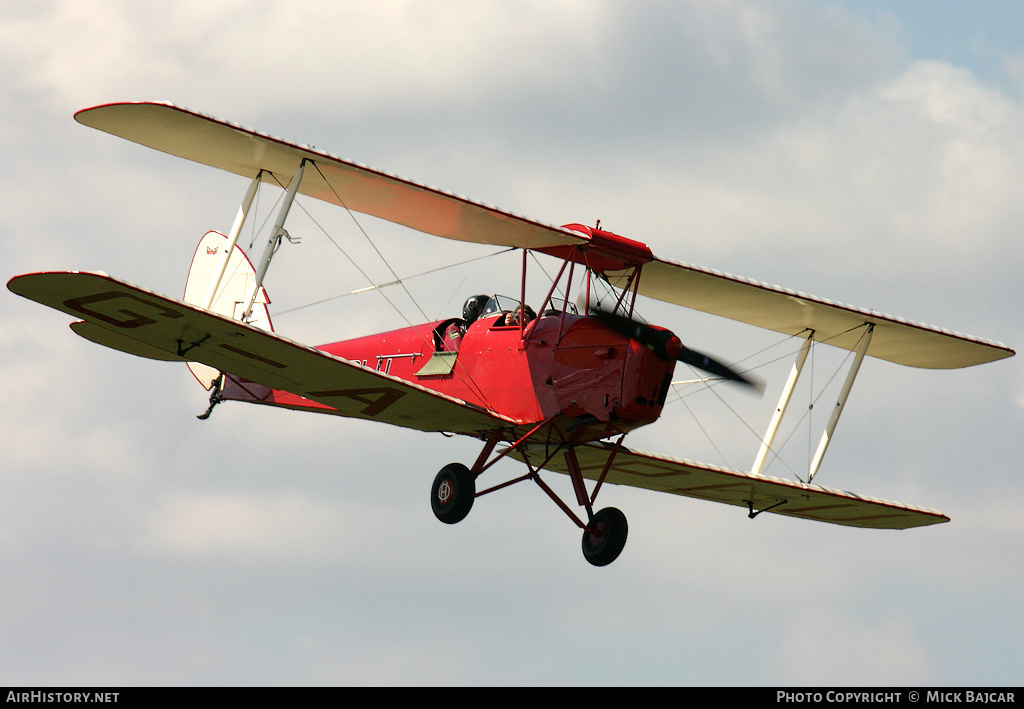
x=455, y=291
x=808, y=414
x=560, y=293
x=813, y=399
x=392, y=283
x=427, y=340
x=707, y=435
x=372, y=244
x=344, y=253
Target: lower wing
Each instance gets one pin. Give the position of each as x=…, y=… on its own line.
x=141, y=322
x=757, y=493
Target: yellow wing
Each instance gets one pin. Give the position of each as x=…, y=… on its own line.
x=790, y=312
x=756, y=493
x=228, y=146
x=146, y=323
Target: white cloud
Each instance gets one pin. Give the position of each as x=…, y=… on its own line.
x=350, y=56
x=920, y=169
x=833, y=649
x=258, y=528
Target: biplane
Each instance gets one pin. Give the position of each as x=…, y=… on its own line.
x=557, y=388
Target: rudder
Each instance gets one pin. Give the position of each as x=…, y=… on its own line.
x=231, y=295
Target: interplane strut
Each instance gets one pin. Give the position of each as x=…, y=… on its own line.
x=787, y=392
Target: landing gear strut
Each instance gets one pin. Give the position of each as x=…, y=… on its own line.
x=604, y=535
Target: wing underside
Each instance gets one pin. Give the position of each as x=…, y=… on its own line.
x=228, y=146
x=753, y=492
x=793, y=313
x=146, y=323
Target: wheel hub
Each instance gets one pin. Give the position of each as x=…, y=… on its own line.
x=444, y=492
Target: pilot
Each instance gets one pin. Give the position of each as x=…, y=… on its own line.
x=513, y=317
x=452, y=336
x=473, y=307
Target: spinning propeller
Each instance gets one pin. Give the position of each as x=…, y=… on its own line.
x=667, y=345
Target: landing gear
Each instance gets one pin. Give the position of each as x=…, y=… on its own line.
x=452, y=494
x=605, y=536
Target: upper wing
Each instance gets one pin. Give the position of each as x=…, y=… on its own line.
x=231, y=147
x=754, y=492
x=786, y=311
x=228, y=146
x=181, y=331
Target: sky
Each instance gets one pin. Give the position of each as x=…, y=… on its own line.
x=867, y=152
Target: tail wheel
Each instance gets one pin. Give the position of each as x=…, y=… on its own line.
x=451, y=495
x=605, y=536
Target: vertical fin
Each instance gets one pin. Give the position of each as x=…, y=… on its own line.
x=231, y=297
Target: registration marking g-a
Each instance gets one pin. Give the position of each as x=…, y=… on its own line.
x=121, y=317
x=376, y=399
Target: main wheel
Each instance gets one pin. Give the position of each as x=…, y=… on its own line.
x=605, y=537
x=451, y=495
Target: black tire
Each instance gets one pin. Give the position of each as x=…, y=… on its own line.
x=605, y=537
x=452, y=494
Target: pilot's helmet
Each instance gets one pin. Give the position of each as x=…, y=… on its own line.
x=473, y=307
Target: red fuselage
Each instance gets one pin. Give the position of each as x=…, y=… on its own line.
x=591, y=381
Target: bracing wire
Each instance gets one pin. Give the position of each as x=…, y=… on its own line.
x=391, y=283
x=344, y=253
x=370, y=241
x=696, y=420
x=362, y=272
x=561, y=293
x=813, y=399
x=397, y=281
